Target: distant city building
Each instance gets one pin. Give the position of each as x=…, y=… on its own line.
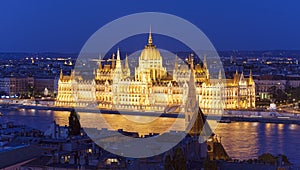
x=152, y=88
x=265, y=84
x=42, y=83
x=16, y=85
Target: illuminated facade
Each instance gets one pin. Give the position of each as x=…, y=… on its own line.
x=152, y=88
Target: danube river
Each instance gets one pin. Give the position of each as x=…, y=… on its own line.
x=242, y=140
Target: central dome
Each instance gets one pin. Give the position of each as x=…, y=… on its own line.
x=150, y=52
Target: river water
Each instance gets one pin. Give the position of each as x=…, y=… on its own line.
x=242, y=140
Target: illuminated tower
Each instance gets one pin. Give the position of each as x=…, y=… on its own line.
x=113, y=62
x=194, y=118
x=126, y=70
x=251, y=81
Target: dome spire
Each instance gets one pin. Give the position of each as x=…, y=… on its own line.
x=150, y=37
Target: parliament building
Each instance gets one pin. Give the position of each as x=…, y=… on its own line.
x=152, y=88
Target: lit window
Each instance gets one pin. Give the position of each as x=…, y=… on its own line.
x=109, y=161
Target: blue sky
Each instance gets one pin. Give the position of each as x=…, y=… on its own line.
x=64, y=26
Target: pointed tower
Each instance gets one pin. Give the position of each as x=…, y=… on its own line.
x=72, y=74
x=207, y=74
x=220, y=74
x=61, y=74
x=100, y=65
x=191, y=103
x=176, y=63
x=236, y=77
x=194, y=117
x=118, y=62
x=175, y=70
x=251, y=81
x=126, y=62
x=100, y=62
x=118, y=74
x=126, y=67
x=204, y=62
x=113, y=62
x=150, y=38
x=191, y=60
x=242, y=79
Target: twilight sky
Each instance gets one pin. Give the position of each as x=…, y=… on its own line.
x=64, y=26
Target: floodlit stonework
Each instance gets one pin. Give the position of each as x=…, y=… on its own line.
x=152, y=88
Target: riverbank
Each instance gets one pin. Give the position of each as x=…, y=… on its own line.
x=275, y=120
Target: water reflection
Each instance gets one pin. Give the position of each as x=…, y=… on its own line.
x=113, y=122
x=260, y=138
x=242, y=140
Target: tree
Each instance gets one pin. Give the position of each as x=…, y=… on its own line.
x=210, y=164
x=168, y=163
x=267, y=158
x=179, y=159
x=74, y=125
x=30, y=90
x=285, y=160
x=177, y=162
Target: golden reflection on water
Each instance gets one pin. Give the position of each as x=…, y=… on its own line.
x=293, y=127
x=114, y=122
x=268, y=127
x=141, y=124
x=61, y=117
x=239, y=139
x=280, y=127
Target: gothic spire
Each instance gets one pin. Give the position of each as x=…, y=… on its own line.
x=126, y=62
x=118, y=62
x=191, y=61
x=113, y=61
x=118, y=74
x=176, y=63
x=204, y=62
x=242, y=79
x=194, y=117
x=207, y=75
x=150, y=38
x=72, y=74
x=251, y=81
x=220, y=74
x=100, y=63
x=61, y=74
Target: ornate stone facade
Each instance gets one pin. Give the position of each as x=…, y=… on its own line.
x=152, y=88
